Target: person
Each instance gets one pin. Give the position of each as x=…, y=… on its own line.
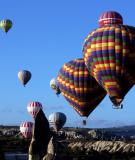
x=40, y=137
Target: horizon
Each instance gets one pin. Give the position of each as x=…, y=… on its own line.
x=83, y=127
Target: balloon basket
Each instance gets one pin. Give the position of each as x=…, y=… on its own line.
x=118, y=107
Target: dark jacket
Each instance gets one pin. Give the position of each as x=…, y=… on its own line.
x=40, y=135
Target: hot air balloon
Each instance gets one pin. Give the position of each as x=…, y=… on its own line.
x=26, y=129
x=110, y=17
x=33, y=108
x=107, y=52
x=54, y=86
x=6, y=24
x=57, y=120
x=84, y=122
x=77, y=86
x=24, y=76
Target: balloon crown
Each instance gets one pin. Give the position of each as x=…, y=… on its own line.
x=110, y=17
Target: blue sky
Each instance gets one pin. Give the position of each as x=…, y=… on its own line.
x=45, y=35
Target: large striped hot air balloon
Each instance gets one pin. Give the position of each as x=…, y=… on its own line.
x=57, y=120
x=24, y=76
x=77, y=86
x=6, y=24
x=34, y=107
x=108, y=51
x=26, y=129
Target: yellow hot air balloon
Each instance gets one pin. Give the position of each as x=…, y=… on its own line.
x=6, y=24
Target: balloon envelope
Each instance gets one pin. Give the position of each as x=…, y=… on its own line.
x=6, y=24
x=24, y=76
x=33, y=108
x=57, y=120
x=79, y=88
x=106, y=53
x=26, y=129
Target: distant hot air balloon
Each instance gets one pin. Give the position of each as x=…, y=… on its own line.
x=26, y=129
x=107, y=54
x=54, y=86
x=24, y=76
x=34, y=107
x=57, y=120
x=110, y=17
x=77, y=86
x=6, y=24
